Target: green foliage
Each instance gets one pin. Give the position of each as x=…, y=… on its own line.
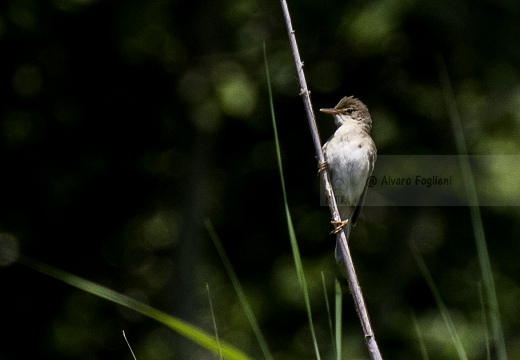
x=183, y=328
x=124, y=124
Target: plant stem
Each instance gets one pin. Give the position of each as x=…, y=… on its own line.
x=345, y=251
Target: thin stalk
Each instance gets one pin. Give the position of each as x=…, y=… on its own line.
x=329, y=314
x=452, y=331
x=292, y=235
x=418, y=331
x=484, y=321
x=476, y=218
x=239, y=290
x=339, y=315
x=345, y=251
x=214, y=322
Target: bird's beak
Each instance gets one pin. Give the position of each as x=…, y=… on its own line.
x=329, y=111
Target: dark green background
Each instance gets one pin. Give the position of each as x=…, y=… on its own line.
x=123, y=124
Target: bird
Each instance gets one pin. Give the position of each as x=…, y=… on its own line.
x=350, y=155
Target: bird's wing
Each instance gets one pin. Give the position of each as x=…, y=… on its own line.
x=357, y=210
x=359, y=205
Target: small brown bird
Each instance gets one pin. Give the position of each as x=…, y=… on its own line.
x=350, y=155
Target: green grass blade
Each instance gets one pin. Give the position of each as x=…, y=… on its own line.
x=292, y=235
x=214, y=321
x=181, y=327
x=338, y=316
x=484, y=321
x=329, y=314
x=440, y=304
x=239, y=290
x=476, y=219
x=418, y=331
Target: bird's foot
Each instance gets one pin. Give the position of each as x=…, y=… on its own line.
x=322, y=166
x=340, y=225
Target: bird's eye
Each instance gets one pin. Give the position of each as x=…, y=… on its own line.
x=349, y=111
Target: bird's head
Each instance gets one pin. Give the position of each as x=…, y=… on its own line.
x=350, y=109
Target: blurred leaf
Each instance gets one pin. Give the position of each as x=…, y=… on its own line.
x=183, y=328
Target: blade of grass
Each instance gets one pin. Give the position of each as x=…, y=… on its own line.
x=440, y=304
x=339, y=316
x=292, y=235
x=476, y=219
x=127, y=343
x=329, y=314
x=214, y=321
x=189, y=331
x=238, y=288
x=484, y=321
x=418, y=331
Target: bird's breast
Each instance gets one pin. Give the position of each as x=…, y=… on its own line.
x=349, y=158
